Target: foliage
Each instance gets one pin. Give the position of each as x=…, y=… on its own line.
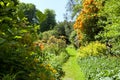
x=60, y=29
x=86, y=23
x=68, y=28
x=77, y=8
x=29, y=11
x=47, y=34
x=64, y=29
x=100, y=68
x=74, y=7
x=18, y=51
x=109, y=21
x=49, y=21
x=55, y=46
x=40, y=16
x=72, y=37
x=54, y=53
x=14, y=44
x=9, y=77
x=92, y=49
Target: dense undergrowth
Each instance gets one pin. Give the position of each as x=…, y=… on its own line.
x=23, y=55
x=33, y=46
x=100, y=68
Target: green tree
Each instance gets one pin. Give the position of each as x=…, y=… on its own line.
x=109, y=21
x=49, y=21
x=29, y=11
x=60, y=28
x=64, y=29
x=40, y=17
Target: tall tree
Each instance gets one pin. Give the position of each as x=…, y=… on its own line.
x=49, y=21
x=29, y=11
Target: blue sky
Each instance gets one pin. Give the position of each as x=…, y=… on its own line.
x=57, y=5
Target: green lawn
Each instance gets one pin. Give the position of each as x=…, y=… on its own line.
x=71, y=68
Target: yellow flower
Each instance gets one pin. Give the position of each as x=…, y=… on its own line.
x=54, y=71
x=51, y=68
x=48, y=65
x=36, y=60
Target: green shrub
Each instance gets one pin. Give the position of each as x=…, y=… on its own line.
x=100, y=68
x=17, y=50
x=74, y=39
x=47, y=34
x=52, y=52
x=72, y=36
x=55, y=45
x=64, y=29
x=116, y=48
x=109, y=20
x=92, y=49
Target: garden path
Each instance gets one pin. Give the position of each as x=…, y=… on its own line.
x=71, y=67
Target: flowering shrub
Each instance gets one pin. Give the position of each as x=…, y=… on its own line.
x=92, y=49
x=55, y=45
x=86, y=22
x=21, y=58
x=50, y=69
